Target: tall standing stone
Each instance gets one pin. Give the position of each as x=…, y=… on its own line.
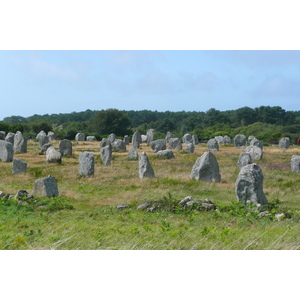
x=126, y=140
x=206, y=168
x=20, y=143
x=46, y=187
x=239, y=141
x=150, y=136
x=106, y=154
x=65, y=147
x=284, y=143
x=295, y=163
x=86, y=164
x=249, y=185
x=213, y=145
x=6, y=151
x=145, y=169
x=80, y=137
x=19, y=166
x=136, y=140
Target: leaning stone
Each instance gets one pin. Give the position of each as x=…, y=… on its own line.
x=132, y=154
x=145, y=169
x=249, y=185
x=118, y=145
x=91, y=138
x=175, y=143
x=213, y=145
x=6, y=151
x=295, y=163
x=86, y=164
x=206, y=168
x=53, y=156
x=239, y=141
x=187, y=138
x=80, y=137
x=106, y=155
x=244, y=159
x=20, y=143
x=65, y=147
x=189, y=148
x=284, y=143
x=19, y=166
x=46, y=187
x=255, y=152
x=158, y=145
x=165, y=154
x=10, y=137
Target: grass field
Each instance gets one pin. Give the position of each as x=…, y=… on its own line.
x=85, y=216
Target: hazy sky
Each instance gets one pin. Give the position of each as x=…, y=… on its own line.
x=41, y=82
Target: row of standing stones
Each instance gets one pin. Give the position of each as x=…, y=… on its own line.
x=248, y=186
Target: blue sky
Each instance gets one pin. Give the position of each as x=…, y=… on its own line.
x=41, y=82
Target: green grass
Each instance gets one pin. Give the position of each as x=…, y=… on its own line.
x=85, y=216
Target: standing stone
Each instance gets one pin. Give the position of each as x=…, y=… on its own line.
x=212, y=145
x=45, y=147
x=43, y=140
x=169, y=136
x=41, y=134
x=51, y=136
x=150, y=136
x=189, y=148
x=165, y=154
x=206, y=168
x=46, y=187
x=20, y=143
x=105, y=142
x=19, y=166
x=249, y=185
x=244, y=159
x=86, y=164
x=53, y=156
x=175, y=143
x=65, y=147
x=126, y=140
x=118, y=145
x=284, y=143
x=10, y=137
x=132, y=154
x=255, y=152
x=187, y=138
x=112, y=137
x=6, y=151
x=295, y=163
x=250, y=138
x=91, y=138
x=80, y=137
x=145, y=169
x=256, y=142
x=195, y=139
x=158, y=145
x=2, y=135
x=136, y=140
x=106, y=154
x=144, y=138
x=239, y=141
x=227, y=140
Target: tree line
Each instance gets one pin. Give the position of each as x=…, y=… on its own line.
x=265, y=122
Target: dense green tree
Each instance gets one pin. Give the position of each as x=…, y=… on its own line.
x=111, y=121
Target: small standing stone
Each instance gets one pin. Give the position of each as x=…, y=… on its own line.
x=118, y=145
x=132, y=154
x=20, y=143
x=189, y=148
x=106, y=154
x=284, y=143
x=213, y=145
x=295, y=163
x=91, y=138
x=158, y=145
x=65, y=147
x=46, y=187
x=19, y=166
x=136, y=140
x=126, y=140
x=145, y=169
x=53, y=156
x=86, y=164
x=240, y=141
x=165, y=154
x=6, y=151
x=175, y=143
x=80, y=137
x=244, y=159
x=187, y=138
x=255, y=152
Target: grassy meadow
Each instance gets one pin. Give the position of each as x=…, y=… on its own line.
x=85, y=216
